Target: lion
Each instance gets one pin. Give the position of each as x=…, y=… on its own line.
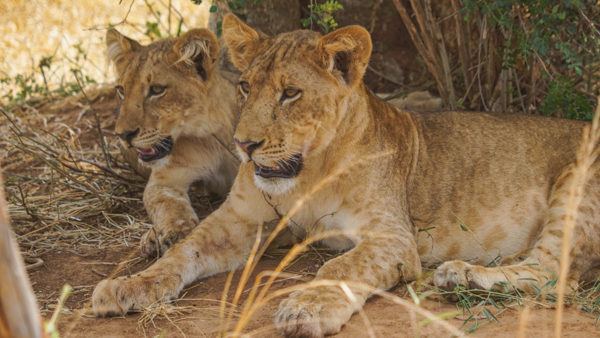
x=396, y=190
x=177, y=116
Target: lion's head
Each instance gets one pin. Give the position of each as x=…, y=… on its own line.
x=163, y=90
x=294, y=92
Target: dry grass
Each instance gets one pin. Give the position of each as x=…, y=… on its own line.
x=588, y=153
x=66, y=182
x=72, y=34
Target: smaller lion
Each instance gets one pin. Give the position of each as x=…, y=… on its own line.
x=177, y=114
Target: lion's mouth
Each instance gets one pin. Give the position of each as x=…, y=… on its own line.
x=157, y=151
x=283, y=169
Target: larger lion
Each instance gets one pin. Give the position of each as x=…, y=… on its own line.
x=479, y=186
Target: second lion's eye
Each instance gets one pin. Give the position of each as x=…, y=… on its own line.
x=120, y=92
x=290, y=93
x=244, y=87
x=156, y=90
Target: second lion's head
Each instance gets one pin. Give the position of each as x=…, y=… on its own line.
x=164, y=90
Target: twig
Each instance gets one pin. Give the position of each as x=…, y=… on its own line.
x=103, y=145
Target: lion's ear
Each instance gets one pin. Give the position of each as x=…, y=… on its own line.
x=346, y=52
x=119, y=48
x=242, y=41
x=198, y=47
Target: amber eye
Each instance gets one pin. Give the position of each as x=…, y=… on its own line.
x=120, y=92
x=290, y=93
x=156, y=90
x=244, y=87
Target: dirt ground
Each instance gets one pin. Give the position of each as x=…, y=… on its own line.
x=81, y=246
x=199, y=316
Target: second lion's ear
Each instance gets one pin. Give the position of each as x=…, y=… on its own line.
x=242, y=41
x=200, y=48
x=120, y=48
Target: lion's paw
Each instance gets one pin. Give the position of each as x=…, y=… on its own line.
x=156, y=241
x=114, y=297
x=312, y=313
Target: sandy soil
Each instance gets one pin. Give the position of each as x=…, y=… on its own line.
x=199, y=309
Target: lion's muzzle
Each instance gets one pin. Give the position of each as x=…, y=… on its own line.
x=286, y=168
x=159, y=150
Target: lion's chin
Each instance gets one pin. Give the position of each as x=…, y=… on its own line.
x=274, y=186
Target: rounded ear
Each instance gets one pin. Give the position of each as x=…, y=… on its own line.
x=119, y=47
x=242, y=41
x=198, y=47
x=346, y=52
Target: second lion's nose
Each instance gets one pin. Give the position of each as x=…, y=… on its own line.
x=248, y=146
x=128, y=135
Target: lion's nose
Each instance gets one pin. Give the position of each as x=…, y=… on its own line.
x=128, y=135
x=248, y=146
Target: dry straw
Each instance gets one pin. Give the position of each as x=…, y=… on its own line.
x=587, y=155
x=67, y=184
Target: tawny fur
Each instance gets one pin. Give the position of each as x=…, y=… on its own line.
x=414, y=189
x=197, y=111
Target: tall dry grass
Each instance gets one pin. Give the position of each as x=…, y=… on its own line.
x=72, y=33
x=587, y=155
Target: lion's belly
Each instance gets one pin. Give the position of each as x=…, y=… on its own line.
x=481, y=234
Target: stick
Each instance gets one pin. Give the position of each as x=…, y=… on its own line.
x=19, y=316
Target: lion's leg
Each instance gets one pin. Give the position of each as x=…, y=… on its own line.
x=220, y=243
x=169, y=207
x=375, y=263
x=543, y=261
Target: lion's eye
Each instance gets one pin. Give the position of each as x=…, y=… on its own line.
x=244, y=87
x=120, y=92
x=290, y=93
x=156, y=90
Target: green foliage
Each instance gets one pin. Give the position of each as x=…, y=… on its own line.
x=236, y=6
x=25, y=87
x=155, y=26
x=153, y=30
x=239, y=5
x=541, y=27
x=563, y=100
x=322, y=14
x=560, y=35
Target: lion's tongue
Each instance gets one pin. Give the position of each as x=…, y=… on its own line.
x=146, y=151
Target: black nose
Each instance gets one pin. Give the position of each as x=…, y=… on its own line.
x=248, y=146
x=128, y=135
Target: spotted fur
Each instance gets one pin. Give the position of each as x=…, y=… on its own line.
x=402, y=189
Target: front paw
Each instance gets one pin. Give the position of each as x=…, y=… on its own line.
x=114, y=297
x=313, y=313
x=157, y=240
